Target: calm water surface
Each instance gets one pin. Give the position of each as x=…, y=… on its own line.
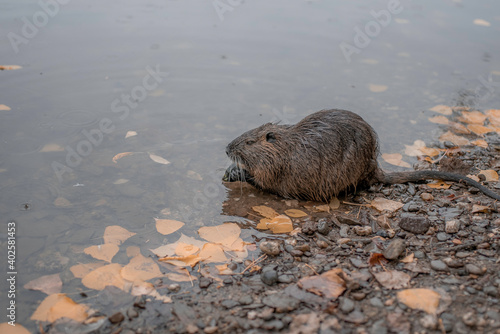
x=90, y=74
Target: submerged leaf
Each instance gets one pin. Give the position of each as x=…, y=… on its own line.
x=116, y=235
x=104, y=276
x=442, y=109
x=141, y=268
x=168, y=226
x=58, y=306
x=457, y=140
x=48, y=284
x=158, y=159
x=121, y=155
x=224, y=234
x=102, y=252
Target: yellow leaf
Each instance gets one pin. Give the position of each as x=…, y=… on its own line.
x=431, y=152
x=121, y=155
x=9, y=67
x=141, y=268
x=294, y=213
x=262, y=225
x=457, y=140
x=184, y=249
x=480, y=142
x=102, y=252
x=281, y=224
x=158, y=159
x=212, y=253
x=377, y=88
x=383, y=204
x=489, y=174
x=182, y=261
x=414, y=150
x=103, y=276
x=459, y=128
x=116, y=235
x=224, y=234
x=420, y=299
x=265, y=211
x=59, y=306
x=395, y=159
x=438, y=184
x=442, y=109
x=479, y=129
x=476, y=208
x=4, y=107
x=52, y=148
x=439, y=120
x=9, y=329
x=473, y=117
x=494, y=117
x=130, y=134
x=80, y=270
x=167, y=226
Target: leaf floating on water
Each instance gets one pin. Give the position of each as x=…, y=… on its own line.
x=4, y=107
x=130, y=134
x=121, y=155
x=103, y=276
x=457, y=140
x=180, y=277
x=133, y=251
x=420, y=299
x=377, y=88
x=59, y=306
x=184, y=249
x=294, y=213
x=392, y=279
x=265, y=211
x=328, y=285
x=280, y=224
x=489, y=174
x=116, y=235
x=48, y=284
x=473, y=117
x=418, y=149
x=182, y=261
x=169, y=250
x=439, y=184
x=167, y=226
x=17, y=329
x=158, y=159
x=459, y=128
x=9, y=67
x=442, y=109
x=212, y=253
x=52, y=148
x=224, y=234
x=383, y=204
x=81, y=270
x=102, y=252
x=479, y=129
x=395, y=159
x=481, y=22
x=439, y=120
x=141, y=268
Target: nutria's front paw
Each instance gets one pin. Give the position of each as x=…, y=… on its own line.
x=234, y=173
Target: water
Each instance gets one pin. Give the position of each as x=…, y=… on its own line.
x=87, y=73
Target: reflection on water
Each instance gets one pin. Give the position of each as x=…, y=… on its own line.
x=86, y=81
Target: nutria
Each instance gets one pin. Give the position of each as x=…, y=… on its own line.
x=326, y=153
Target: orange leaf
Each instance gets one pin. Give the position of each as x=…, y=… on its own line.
x=489, y=174
x=141, y=268
x=184, y=249
x=17, y=329
x=294, y=213
x=116, y=235
x=182, y=261
x=80, y=270
x=439, y=185
x=281, y=224
x=473, y=117
x=479, y=129
x=265, y=211
x=121, y=155
x=377, y=258
x=420, y=299
x=395, y=159
x=48, y=284
x=457, y=140
x=224, y=234
x=212, y=253
x=328, y=285
x=9, y=67
x=442, y=109
x=480, y=142
x=167, y=226
x=439, y=120
x=58, y=306
x=382, y=204
x=104, y=276
x=102, y=252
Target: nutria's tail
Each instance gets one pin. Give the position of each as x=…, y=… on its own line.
x=416, y=176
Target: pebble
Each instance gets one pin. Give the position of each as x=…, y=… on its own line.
x=344, y=231
x=462, y=255
x=452, y=226
x=439, y=265
x=419, y=255
x=116, y=318
x=414, y=224
x=281, y=302
x=470, y=319
x=229, y=303
x=324, y=226
x=426, y=197
x=429, y=321
x=376, y=302
x=287, y=278
x=205, y=282
x=363, y=230
x=379, y=327
x=358, y=263
x=448, y=320
x=442, y=236
x=411, y=207
x=453, y=263
x=174, y=287
x=346, y=305
x=271, y=248
x=245, y=300
x=473, y=269
x=269, y=277
x=345, y=219
x=132, y=313
x=491, y=291
x=395, y=248
x=358, y=295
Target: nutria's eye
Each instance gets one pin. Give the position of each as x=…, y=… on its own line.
x=270, y=137
x=250, y=142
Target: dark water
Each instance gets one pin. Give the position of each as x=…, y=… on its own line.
x=94, y=70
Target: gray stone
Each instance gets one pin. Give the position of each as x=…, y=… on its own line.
x=346, y=305
x=376, y=302
x=379, y=327
x=414, y=224
x=245, y=300
x=269, y=277
x=452, y=226
x=439, y=265
x=473, y=269
x=491, y=291
x=281, y=302
x=229, y=303
x=395, y=248
x=271, y=248
x=324, y=226
x=441, y=236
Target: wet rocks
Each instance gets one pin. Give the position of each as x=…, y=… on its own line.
x=414, y=224
x=475, y=270
x=395, y=248
x=116, y=318
x=271, y=248
x=281, y=302
x=269, y=276
x=439, y=265
x=452, y=226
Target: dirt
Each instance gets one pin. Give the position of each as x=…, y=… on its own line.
x=445, y=240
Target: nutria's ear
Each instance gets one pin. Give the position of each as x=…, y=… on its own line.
x=270, y=137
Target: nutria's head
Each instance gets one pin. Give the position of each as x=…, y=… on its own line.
x=259, y=153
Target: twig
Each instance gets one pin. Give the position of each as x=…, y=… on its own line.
x=308, y=266
x=259, y=259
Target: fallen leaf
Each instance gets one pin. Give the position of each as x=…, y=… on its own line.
x=52, y=148
x=62, y=202
x=58, y=306
x=280, y=224
x=480, y=142
x=395, y=159
x=328, y=285
x=472, y=117
x=489, y=174
x=480, y=209
x=323, y=208
x=479, y=129
x=224, y=269
x=48, y=284
x=392, y=279
x=103, y=276
x=494, y=116
x=182, y=261
x=120, y=181
x=377, y=88
x=121, y=155
x=420, y=299
x=133, y=251
x=439, y=184
x=262, y=225
x=442, y=109
x=224, y=234
x=474, y=177
x=130, y=134
x=212, y=253
x=377, y=258
x=102, y=252
x=116, y=235
x=414, y=150
x=9, y=329
x=80, y=270
x=439, y=120
x=167, y=226
x=382, y=204
x=4, y=107
x=158, y=159
x=451, y=137
x=408, y=259
x=180, y=277
x=294, y=213
x=169, y=250
x=481, y=22
x=184, y=249
x=334, y=204
x=458, y=128
x=265, y=211
x=141, y=268
x=9, y=67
